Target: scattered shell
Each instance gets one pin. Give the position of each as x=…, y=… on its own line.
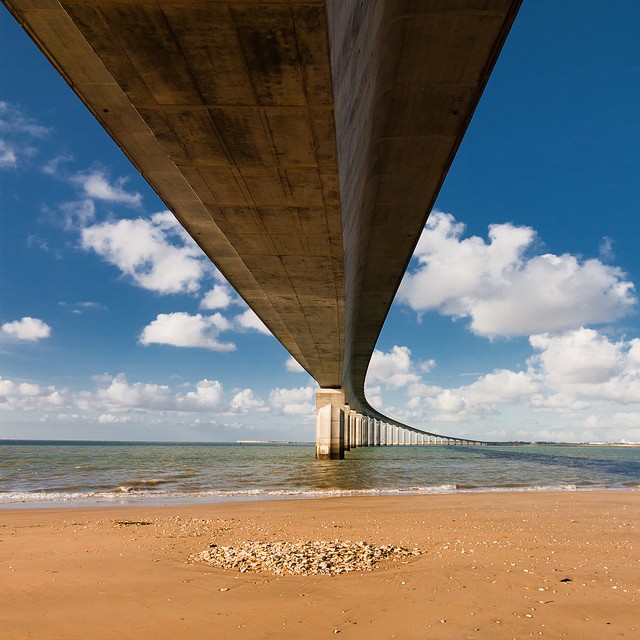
x=302, y=558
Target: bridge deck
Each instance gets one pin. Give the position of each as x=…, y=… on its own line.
x=301, y=143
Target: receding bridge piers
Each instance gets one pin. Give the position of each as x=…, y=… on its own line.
x=340, y=428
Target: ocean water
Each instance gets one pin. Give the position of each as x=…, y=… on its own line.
x=107, y=473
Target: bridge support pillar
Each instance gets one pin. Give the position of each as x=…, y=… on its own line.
x=330, y=424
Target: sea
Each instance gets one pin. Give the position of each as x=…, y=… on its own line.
x=74, y=473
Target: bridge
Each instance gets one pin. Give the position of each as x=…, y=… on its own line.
x=302, y=144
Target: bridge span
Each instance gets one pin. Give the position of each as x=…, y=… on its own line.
x=301, y=143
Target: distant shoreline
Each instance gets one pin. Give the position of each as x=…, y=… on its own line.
x=54, y=441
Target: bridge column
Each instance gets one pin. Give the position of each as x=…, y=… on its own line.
x=346, y=433
x=353, y=422
x=377, y=428
x=357, y=432
x=330, y=427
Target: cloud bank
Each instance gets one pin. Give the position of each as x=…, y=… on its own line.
x=506, y=290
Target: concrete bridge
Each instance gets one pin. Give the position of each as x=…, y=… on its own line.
x=302, y=144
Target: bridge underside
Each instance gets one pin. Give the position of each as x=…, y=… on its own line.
x=301, y=143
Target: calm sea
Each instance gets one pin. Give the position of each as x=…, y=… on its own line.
x=106, y=473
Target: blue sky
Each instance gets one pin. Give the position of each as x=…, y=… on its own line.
x=518, y=317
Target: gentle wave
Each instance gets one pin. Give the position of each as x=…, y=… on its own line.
x=141, y=496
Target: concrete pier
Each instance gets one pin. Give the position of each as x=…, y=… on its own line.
x=330, y=424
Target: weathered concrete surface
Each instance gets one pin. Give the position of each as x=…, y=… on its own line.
x=301, y=143
x=331, y=422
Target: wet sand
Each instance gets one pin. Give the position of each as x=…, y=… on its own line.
x=513, y=565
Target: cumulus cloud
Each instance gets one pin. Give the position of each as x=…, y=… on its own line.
x=245, y=401
x=395, y=369
x=583, y=377
x=109, y=418
x=27, y=329
x=219, y=297
x=115, y=400
x=157, y=254
x=115, y=393
x=249, y=320
x=586, y=366
x=578, y=357
x=299, y=401
x=207, y=396
x=182, y=329
x=293, y=366
x=502, y=289
x=96, y=186
x=481, y=397
x=16, y=395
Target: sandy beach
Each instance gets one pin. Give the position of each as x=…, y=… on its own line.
x=493, y=565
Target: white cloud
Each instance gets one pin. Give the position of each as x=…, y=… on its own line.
x=293, y=366
x=481, y=397
x=8, y=157
x=18, y=131
x=245, y=401
x=374, y=396
x=184, y=330
x=219, y=297
x=29, y=396
x=52, y=167
x=115, y=400
x=109, y=418
x=580, y=379
x=584, y=365
x=395, y=369
x=78, y=214
x=503, y=291
x=299, y=401
x=249, y=320
x=118, y=394
x=207, y=396
x=27, y=329
x=14, y=121
x=578, y=357
x=96, y=186
x=157, y=253
x=79, y=308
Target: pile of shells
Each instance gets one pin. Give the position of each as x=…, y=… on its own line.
x=302, y=558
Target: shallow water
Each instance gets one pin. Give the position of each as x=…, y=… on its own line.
x=33, y=473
